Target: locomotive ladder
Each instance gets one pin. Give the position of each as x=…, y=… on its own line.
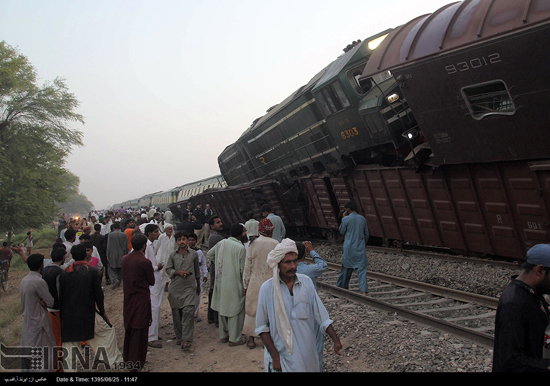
x=441, y=308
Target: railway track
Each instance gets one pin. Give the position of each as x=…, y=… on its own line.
x=467, y=315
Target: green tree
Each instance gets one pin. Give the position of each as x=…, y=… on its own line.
x=35, y=140
x=76, y=203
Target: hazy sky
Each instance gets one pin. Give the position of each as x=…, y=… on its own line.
x=166, y=85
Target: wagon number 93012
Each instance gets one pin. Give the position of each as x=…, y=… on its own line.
x=473, y=63
x=349, y=133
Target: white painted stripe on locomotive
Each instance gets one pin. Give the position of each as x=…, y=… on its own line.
x=282, y=120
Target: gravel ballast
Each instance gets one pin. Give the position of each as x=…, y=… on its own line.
x=380, y=341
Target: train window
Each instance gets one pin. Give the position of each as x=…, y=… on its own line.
x=353, y=76
x=323, y=104
x=332, y=98
x=341, y=95
x=489, y=98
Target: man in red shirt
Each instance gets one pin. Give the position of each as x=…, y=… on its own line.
x=5, y=256
x=137, y=276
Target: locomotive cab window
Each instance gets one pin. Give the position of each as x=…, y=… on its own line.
x=353, y=76
x=332, y=99
x=490, y=98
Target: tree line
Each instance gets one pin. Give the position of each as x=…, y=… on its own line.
x=35, y=140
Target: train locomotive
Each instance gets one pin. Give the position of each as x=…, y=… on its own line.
x=436, y=128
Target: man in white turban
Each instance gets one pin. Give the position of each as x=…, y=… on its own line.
x=288, y=307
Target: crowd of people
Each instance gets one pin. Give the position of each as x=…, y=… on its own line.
x=153, y=256
x=261, y=290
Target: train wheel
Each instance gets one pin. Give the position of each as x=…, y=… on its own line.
x=397, y=245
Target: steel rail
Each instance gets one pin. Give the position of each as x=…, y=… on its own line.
x=480, y=338
x=477, y=336
x=459, y=295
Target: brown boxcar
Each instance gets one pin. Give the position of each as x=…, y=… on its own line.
x=234, y=202
x=475, y=74
x=491, y=208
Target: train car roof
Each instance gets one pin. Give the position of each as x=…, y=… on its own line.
x=217, y=178
x=454, y=26
x=176, y=189
x=150, y=194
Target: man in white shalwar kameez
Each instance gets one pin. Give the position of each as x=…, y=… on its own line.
x=165, y=245
x=152, y=232
x=256, y=272
x=288, y=307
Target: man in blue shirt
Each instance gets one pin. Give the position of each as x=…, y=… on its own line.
x=279, y=229
x=356, y=234
x=313, y=271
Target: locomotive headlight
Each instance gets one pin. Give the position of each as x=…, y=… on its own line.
x=393, y=97
x=410, y=134
x=376, y=42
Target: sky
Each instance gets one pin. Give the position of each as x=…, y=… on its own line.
x=165, y=85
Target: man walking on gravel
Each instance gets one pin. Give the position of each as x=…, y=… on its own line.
x=356, y=234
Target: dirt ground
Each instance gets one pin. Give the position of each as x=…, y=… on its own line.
x=208, y=354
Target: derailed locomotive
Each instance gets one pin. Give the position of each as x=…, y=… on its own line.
x=439, y=134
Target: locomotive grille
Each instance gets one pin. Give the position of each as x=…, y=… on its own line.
x=374, y=122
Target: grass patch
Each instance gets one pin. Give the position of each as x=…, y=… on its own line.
x=18, y=265
x=42, y=238
x=10, y=314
